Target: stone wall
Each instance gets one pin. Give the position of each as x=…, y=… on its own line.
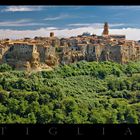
x=22, y=56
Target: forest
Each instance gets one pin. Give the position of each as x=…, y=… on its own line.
x=78, y=93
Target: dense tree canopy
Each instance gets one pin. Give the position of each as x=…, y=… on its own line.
x=83, y=92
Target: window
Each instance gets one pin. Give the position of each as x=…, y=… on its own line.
x=93, y=49
x=11, y=49
x=7, y=56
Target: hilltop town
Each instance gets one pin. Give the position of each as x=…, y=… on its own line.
x=44, y=52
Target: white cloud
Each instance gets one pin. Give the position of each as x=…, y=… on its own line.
x=62, y=16
x=95, y=25
x=51, y=28
x=131, y=33
x=117, y=24
x=22, y=8
x=79, y=24
x=17, y=23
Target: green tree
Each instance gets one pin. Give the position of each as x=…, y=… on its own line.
x=5, y=67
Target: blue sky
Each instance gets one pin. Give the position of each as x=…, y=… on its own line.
x=68, y=18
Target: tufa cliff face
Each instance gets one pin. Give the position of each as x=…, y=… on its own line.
x=29, y=56
x=22, y=56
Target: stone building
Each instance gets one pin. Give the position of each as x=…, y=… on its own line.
x=50, y=56
x=106, y=29
x=117, y=37
x=22, y=55
x=51, y=34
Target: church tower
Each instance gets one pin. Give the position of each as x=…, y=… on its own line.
x=51, y=34
x=106, y=29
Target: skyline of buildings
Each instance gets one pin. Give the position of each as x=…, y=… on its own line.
x=43, y=52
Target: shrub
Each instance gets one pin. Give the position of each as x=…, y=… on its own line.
x=5, y=67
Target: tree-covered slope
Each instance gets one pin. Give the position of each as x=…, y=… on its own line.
x=83, y=92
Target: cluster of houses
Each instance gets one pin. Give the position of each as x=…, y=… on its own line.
x=44, y=52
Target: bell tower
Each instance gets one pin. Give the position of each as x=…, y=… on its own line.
x=51, y=34
x=106, y=29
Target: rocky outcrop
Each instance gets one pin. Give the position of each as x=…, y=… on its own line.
x=23, y=65
x=51, y=60
x=35, y=61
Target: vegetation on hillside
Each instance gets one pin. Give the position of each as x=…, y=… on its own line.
x=83, y=92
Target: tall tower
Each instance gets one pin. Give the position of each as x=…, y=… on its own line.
x=105, y=31
x=51, y=34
